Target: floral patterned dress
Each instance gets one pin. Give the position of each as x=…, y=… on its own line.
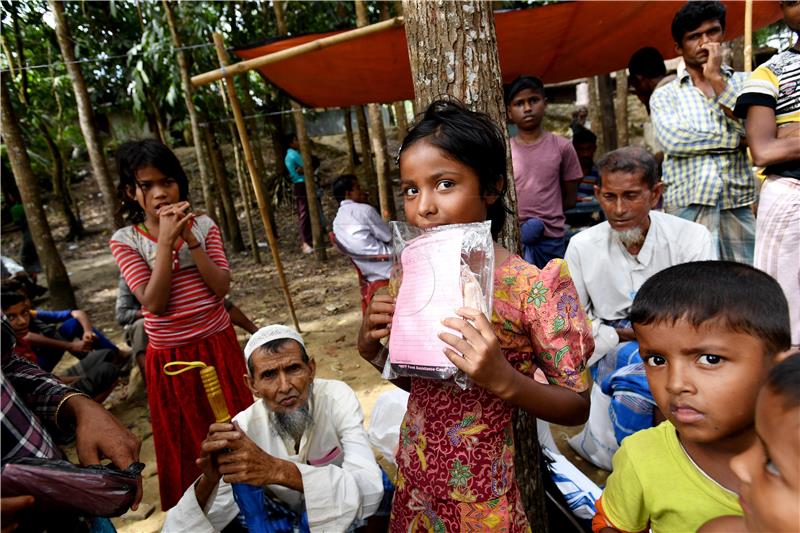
x=456, y=456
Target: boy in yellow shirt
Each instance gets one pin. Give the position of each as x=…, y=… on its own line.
x=708, y=332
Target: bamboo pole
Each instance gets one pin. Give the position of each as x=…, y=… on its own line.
x=250, y=64
x=263, y=206
x=748, y=35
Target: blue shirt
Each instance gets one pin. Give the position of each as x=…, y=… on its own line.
x=292, y=161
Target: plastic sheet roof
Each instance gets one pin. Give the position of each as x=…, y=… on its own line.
x=557, y=42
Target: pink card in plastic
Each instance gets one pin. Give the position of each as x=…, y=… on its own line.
x=429, y=292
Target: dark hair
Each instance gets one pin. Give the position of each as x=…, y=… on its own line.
x=8, y=299
x=288, y=138
x=132, y=157
x=784, y=380
x=648, y=63
x=12, y=285
x=693, y=14
x=343, y=185
x=583, y=135
x=273, y=347
x=746, y=299
x=471, y=138
x=520, y=84
x=631, y=160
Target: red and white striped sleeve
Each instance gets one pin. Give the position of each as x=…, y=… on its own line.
x=132, y=265
x=215, y=249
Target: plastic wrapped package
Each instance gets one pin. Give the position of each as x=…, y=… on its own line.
x=60, y=486
x=435, y=272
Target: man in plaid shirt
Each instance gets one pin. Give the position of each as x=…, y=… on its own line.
x=37, y=408
x=707, y=174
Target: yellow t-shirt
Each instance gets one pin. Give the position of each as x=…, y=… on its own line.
x=654, y=481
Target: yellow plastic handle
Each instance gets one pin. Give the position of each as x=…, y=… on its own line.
x=185, y=364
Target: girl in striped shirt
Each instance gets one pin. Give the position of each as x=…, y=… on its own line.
x=174, y=263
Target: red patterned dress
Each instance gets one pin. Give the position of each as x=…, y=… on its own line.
x=456, y=456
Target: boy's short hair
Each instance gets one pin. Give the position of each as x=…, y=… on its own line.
x=520, y=84
x=784, y=380
x=288, y=138
x=12, y=285
x=583, y=135
x=631, y=160
x=693, y=14
x=9, y=299
x=343, y=185
x=746, y=299
x=648, y=63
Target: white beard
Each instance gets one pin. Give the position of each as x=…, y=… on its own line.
x=630, y=237
x=293, y=424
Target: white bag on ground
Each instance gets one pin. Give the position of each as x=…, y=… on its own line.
x=596, y=442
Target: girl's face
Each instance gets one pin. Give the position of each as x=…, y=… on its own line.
x=438, y=190
x=770, y=470
x=153, y=191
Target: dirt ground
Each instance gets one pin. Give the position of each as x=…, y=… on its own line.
x=325, y=295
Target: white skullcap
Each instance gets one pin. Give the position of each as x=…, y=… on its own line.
x=270, y=333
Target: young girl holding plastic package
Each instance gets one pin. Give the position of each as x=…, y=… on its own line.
x=174, y=263
x=456, y=454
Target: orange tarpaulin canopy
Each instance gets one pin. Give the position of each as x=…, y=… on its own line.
x=557, y=42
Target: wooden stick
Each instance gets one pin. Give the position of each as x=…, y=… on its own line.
x=250, y=64
x=263, y=206
x=748, y=35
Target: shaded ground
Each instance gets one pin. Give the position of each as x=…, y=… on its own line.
x=325, y=295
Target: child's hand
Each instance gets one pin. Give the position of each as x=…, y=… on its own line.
x=89, y=338
x=187, y=235
x=80, y=346
x=172, y=220
x=376, y=325
x=478, y=353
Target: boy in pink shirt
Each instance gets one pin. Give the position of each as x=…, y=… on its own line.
x=546, y=173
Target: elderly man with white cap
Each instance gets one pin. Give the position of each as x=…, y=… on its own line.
x=303, y=440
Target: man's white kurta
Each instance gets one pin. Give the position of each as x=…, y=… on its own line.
x=341, y=480
x=607, y=277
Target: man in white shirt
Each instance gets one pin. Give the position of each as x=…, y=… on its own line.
x=360, y=229
x=609, y=262
x=303, y=441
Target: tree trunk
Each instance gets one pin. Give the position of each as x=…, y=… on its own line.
x=61, y=294
x=595, y=112
x=60, y=192
x=368, y=182
x=378, y=139
x=158, y=122
x=234, y=234
x=305, y=151
x=197, y=136
x=244, y=189
x=352, y=155
x=249, y=108
x=401, y=120
x=85, y=117
x=452, y=49
x=621, y=107
x=605, y=97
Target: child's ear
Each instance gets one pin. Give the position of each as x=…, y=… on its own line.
x=491, y=197
x=131, y=192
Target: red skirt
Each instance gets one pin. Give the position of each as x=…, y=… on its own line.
x=179, y=409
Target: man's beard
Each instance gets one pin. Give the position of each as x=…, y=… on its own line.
x=294, y=423
x=630, y=237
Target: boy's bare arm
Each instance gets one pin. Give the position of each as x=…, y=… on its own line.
x=42, y=341
x=569, y=194
x=766, y=144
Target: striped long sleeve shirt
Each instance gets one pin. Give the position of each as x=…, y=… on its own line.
x=703, y=164
x=30, y=398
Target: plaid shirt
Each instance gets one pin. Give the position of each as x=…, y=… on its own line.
x=29, y=397
x=703, y=164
